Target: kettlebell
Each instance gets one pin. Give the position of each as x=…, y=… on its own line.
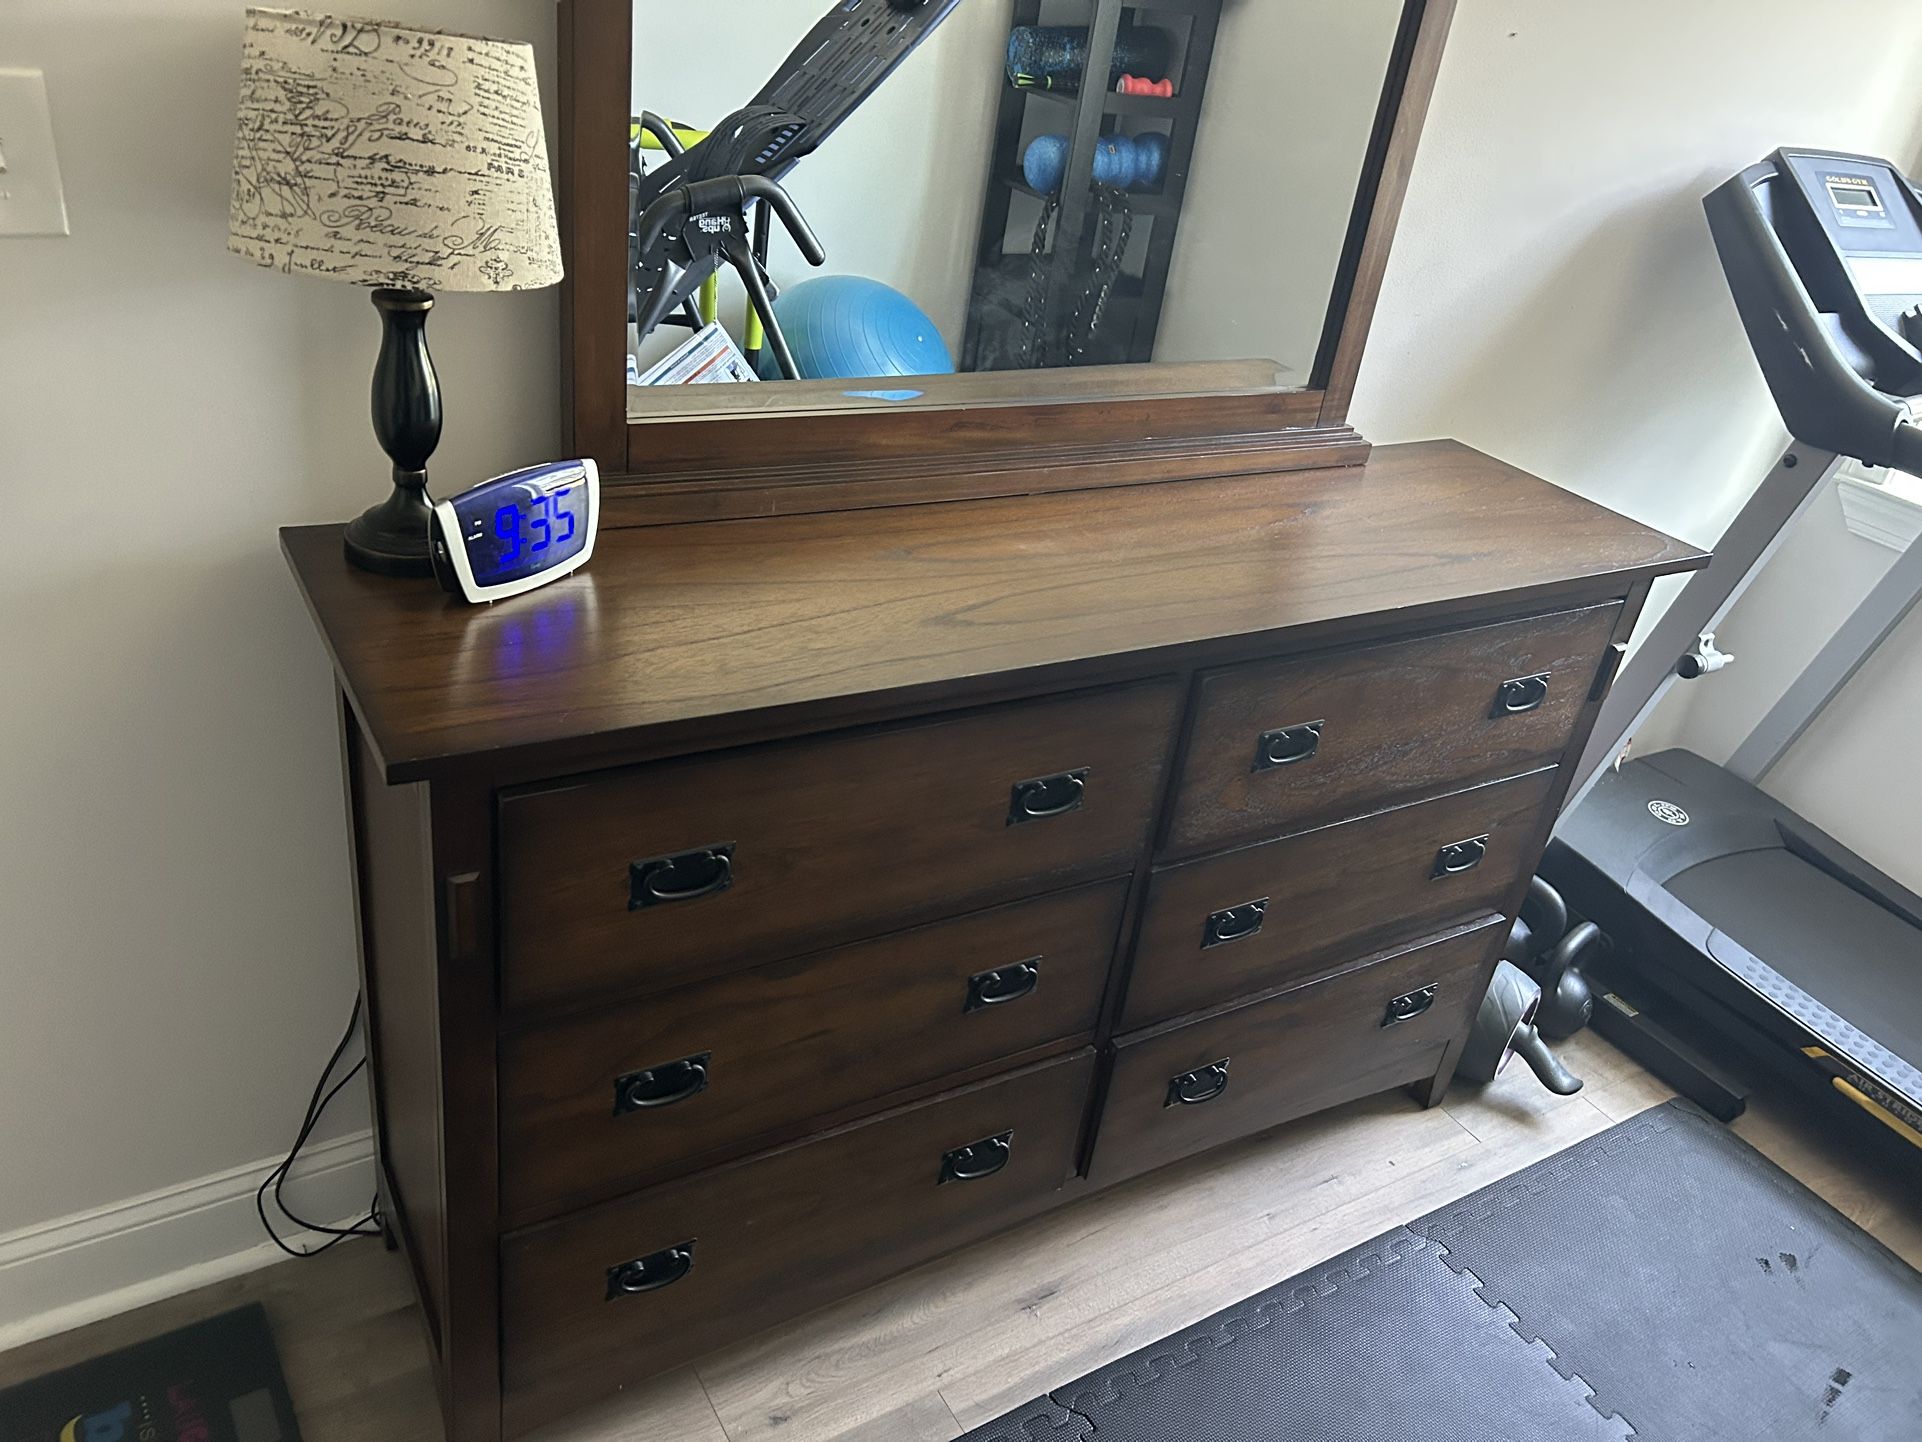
x=1505, y=1027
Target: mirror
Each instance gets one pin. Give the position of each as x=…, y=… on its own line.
x=993, y=225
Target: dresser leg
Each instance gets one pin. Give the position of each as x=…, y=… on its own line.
x=1432, y=1092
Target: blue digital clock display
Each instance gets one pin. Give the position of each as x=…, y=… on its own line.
x=511, y=534
x=516, y=531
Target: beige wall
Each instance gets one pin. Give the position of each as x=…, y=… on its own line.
x=1292, y=96
x=174, y=933
x=176, y=952
x=1854, y=772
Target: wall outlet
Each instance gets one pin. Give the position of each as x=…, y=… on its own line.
x=31, y=199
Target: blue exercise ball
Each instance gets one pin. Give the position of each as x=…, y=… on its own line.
x=848, y=327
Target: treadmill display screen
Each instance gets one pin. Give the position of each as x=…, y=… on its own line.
x=1854, y=195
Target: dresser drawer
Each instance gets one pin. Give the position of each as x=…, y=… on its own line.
x=1255, y=919
x=777, y=1236
x=670, y=872
x=637, y=1090
x=1180, y=1090
x=1281, y=745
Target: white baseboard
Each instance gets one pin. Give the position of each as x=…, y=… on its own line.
x=74, y=1270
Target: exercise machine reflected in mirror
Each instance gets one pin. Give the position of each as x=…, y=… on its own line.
x=926, y=200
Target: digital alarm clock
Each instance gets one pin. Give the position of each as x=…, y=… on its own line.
x=517, y=531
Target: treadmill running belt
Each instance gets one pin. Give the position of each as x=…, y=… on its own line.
x=1660, y=1280
x=1818, y=934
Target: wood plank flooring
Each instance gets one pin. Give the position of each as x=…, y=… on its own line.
x=954, y=1344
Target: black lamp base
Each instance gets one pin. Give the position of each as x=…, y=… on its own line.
x=392, y=537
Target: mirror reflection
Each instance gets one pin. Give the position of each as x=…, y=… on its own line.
x=964, y=201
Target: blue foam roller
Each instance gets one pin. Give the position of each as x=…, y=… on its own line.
x=1128, y=162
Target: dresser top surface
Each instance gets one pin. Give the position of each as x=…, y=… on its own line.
x=675, y=635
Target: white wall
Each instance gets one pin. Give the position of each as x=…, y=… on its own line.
x=1291, y=102
x=176, y=951
x=1554, y=299
x=1853, y=773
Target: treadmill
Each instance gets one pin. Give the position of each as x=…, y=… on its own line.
x=1746, y=928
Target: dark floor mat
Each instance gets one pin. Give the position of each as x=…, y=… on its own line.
x=1347, y=1351
x=1697, y=1289
x=216, y=1381
x=1042, y=1420
x=1700, y=1290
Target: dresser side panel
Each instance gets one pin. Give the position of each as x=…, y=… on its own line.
x=394, y=874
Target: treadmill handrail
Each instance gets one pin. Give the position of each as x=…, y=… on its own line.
x=1823, y=401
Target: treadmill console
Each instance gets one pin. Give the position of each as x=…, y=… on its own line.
x=1824, y=257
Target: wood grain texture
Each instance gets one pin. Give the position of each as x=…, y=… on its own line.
x=961, y=389
x=1331, y=895
x=867, y=482
x=595, y=44
x=775, y=1237
x=834, y=839
x=690, y=636
x=1397, y=721
x=926, y=446
x=394, y=895
x=467, y=1006
x=1295, y=1053
x=795, y=1041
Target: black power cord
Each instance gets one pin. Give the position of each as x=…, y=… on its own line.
x=367, y=1226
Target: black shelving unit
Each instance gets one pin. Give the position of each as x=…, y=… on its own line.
x=1133, y=315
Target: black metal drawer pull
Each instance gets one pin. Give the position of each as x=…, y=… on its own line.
x=1006, y=984
x=1237, y=923
x=650, y=1273
x=661, y=1086
x=1460, y=856
x=1046, y=796
x=1196, y=1088
x=1288, y=745
x=1524, y=693
x=977, y=1160
x=1407, y=1008
x=683, y=876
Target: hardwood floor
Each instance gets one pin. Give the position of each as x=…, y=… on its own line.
x=947, y=1347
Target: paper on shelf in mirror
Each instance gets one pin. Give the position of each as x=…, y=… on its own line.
x=708, y=357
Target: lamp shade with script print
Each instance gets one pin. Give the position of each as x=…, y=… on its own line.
x=390, y=155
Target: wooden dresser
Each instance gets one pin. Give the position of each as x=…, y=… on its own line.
x=780, y=903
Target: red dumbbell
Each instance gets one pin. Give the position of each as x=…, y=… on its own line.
x=1136, y=85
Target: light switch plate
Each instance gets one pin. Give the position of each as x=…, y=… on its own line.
x=31, y=199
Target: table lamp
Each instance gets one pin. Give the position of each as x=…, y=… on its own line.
x=405, y=159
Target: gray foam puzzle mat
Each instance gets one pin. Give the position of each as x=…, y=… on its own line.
x=1660, y=1280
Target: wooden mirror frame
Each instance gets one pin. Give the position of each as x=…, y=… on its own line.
x=684, y=468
